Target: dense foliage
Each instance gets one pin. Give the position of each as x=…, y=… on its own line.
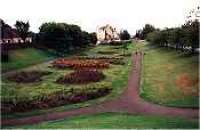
x=22, y=29
x=142, y=33
x=63, y=37
x=182, y=38
x=124, y=35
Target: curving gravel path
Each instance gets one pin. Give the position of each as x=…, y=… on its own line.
x=129, y=102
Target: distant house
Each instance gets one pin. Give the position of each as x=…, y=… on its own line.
x=9, y=34
x=107, y=33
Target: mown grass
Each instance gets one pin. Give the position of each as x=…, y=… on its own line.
x=169, y=78
x=115, y=121
x=21, y=58
x=116, y=77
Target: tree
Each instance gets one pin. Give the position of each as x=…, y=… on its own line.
x=63, y=37
x=76, y=35
x=139, y=34
x=85, y=38
x=124, y=35
x=191, y=30
x=22, y=29
x=179, y=38
x=147, y=29
x=2, y=24
x=93, y=38
x=56, y=36
x=154, y=37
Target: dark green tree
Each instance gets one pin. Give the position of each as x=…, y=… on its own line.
x=124, y=35
x=22, y=29
x=148, y=28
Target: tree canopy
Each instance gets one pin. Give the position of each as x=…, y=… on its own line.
x=63, y=36
x=22, y=29
x=124, y=35
x=142, y=33
x=186, y=36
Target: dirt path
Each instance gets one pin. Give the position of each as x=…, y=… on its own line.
x=129, y=102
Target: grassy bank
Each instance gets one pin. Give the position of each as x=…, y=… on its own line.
x=115, y=121
x=21, y=58
x=169, y=78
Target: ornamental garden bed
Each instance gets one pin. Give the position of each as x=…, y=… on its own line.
x=64, y=97
x=20, y=97
x=80, y=64
x=82, y=77
x=116, y=60
x=27, y=76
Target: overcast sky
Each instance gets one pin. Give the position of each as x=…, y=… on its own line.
x=126, y=14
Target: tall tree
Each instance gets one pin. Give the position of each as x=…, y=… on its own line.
x=22, y=29
x=124, y=35
x=147, y=29
x=93, y=38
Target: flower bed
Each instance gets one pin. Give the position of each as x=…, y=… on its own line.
x=60, y=98
x=81, y=77
x=27, y=77
x=80, y=64
x=108, y=59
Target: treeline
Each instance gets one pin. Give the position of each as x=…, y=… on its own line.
x=184, y=38
x=63, y=37
x=60, y=38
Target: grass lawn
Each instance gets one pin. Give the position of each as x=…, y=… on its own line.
x=116, y=77
x=169, y=77
x=115, y=120
x=21, y=58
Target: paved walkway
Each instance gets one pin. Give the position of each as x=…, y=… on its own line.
x=129, y=102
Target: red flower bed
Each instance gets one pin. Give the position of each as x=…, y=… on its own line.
x=107, y=59
x=80, y=64
x=82, y=76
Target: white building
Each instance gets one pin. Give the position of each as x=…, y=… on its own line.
x=107, y=33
